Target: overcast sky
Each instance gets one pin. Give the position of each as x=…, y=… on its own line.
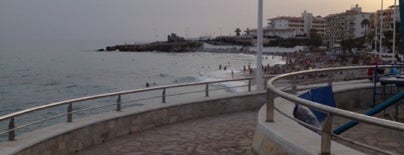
x=146, y=20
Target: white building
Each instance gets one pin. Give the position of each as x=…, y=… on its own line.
x=307, y=22
x=285, y=27
x=292, y=27
x=346, y=25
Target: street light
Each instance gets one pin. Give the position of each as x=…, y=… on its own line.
x=381, y=28
x=258, y=75
x=394, y=31
x=401, y=8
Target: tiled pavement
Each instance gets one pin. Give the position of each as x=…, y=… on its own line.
x=387, y=139
x=229, y=134
x=226, y=134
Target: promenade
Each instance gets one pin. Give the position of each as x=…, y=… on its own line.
x=224, y=134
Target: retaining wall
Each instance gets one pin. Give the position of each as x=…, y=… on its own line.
x=67, y=138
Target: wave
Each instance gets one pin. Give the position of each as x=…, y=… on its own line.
x=186, y=79
x=71, y=86
x=232, y=86
x=52, y=83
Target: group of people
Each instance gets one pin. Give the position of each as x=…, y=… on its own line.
x=298, y=61
x=380, y=71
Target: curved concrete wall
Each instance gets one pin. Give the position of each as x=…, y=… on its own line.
x=285, y=136
x=67, y=138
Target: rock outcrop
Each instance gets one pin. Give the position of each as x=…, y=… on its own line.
x=185, y=46
x=174, y=43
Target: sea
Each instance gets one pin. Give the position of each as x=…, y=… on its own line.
x=36, y=72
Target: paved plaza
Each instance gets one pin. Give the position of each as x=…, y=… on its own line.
x=225, y=134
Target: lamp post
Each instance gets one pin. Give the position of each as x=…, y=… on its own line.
x=376, y=29
x=258, y=75
x=381, y=28
x=394, y=31
x=401, y=8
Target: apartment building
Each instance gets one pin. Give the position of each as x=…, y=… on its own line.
x=346, y=25
x=387, y=17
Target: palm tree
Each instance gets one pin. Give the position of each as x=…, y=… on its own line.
x=315, y=38
x=365, y=24
x=238, y=30
x=247, y=31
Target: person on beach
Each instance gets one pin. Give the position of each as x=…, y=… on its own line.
x=232, y=74
x=394, y=71
x=377, y=61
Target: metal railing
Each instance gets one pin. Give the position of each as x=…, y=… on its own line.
x=12, y=127
x=289, y=93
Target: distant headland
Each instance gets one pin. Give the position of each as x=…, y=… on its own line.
x=174, y=43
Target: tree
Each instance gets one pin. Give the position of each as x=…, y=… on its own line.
x=315, y=38
x=349, y=44
x=247, y=31
x=388, y=37
x=365, y=24
x=238, y=30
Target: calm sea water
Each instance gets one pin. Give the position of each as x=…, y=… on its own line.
x=39, y=72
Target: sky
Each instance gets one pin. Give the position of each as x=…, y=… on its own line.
x=149, y=20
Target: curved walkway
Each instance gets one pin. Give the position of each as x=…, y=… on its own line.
x=225, y=134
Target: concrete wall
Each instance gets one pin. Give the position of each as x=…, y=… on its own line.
x=67, y=138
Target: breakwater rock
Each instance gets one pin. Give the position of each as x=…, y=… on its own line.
x=183, y=46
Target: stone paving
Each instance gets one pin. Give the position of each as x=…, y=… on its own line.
x=232, y=134
x=372, y=135
x=226, y=134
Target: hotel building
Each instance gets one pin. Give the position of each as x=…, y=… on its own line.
x=292, y=27
x=346, y=25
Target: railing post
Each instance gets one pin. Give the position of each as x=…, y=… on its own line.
x=326, y=136
x=11, y=132
x=69, y=112
x=118, y=103
x=270, y=105
x=249, y=84
x=330, y=77
x=294, y=85
x=207, y=90
x=265, y=83
x=163, y=96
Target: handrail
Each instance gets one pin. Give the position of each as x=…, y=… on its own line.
x=335, y=111
x=70, y=102
x=331, y=111
x=54, y=104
